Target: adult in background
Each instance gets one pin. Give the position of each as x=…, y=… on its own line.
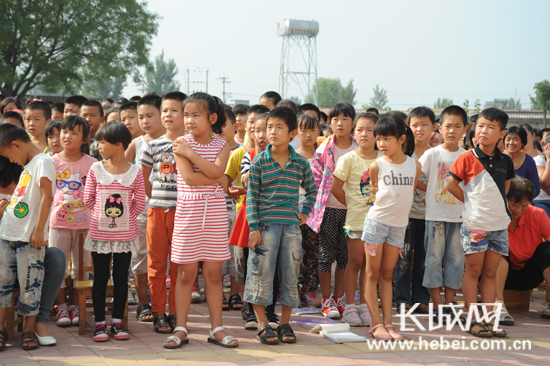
x=543, y=169
x=515, y=141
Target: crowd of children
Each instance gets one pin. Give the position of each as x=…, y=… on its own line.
x=275, y=196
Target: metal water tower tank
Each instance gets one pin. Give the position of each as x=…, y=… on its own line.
x=294, y=27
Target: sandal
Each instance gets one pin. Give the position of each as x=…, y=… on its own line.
x=496, y=333
x=478, y=332
x=176, y=340
x=235, y=300
x=224, y=342
x=29, y=337
x=451, y=313
x=4, y=339
x=160, y=321
x=143, y=311
x=380, y=336
x=395, y=336
x=285, y=331
x=225, y=305
x=267, y=333
x=172, y=320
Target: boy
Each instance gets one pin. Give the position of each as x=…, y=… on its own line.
x=270, y=99
x=92, y=111
x=57, y=110
x=275, y=237
x=72, y=105
x=486, y=174
x=129, y=116
x=240, y=116
x=159, y=172
x=23, y=230
x=422, y=123
x=309, y=109
x=444, y=255
x=37, y=116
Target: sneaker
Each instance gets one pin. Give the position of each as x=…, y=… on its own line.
x=117, y=329
x=100, y=333
x=226, y=281
x=546, y=313
x=195, y=294
x=132, y=296
x=329, y=309
x=309, y=300
x=74, y=314
x=340, y=305
x=251, y=321
x=272, y=319
x=351, y=316
x=63, y=318
x=364, y=314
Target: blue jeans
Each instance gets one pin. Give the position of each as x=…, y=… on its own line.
x=281, y=249
x=403, y=278
x=54, y=274
x=545, y=205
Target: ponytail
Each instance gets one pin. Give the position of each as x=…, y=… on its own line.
x=395, y=126
x=408, y=145
x=213, y=105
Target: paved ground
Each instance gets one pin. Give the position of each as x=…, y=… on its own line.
x=145, y=346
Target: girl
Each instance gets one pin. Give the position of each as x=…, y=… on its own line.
x=71, y=216
x=200, y=228
x=329, y=215
x=393, y=180
x=116, y=192
x=353, y=170
x=524, y=165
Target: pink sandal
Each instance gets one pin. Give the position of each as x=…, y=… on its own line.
x=380, y=336
x=395, y=336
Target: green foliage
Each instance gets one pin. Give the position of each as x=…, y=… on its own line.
x=380, y=98
x=511, y=103
x=109, y=88
x=466, y=105
x=477, y=105
x=443, y=103
x=541, y=100
x=331, y=91
x=159, y=76
x=60, y=44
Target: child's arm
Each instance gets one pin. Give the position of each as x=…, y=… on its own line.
x=3, y=204
x=317, y=168
x=138, y=200
x=146, y=170
x=37, y=236
x=418, y=171
x=130, y=153
x=193, y=178
x=373, y=172
x=89, y=188
x=211, y=170
x=252, y=201
x=309, y=185
x=452, y=186
x=337, y=190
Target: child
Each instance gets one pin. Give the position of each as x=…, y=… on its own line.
x=116, y=192
x=353, y=171
x=159, y=172
x=270, y=99
x=436, y=139
x=129, y=116
x=444, y=254
x=200, y=231
x=113, y=114
x=240, y=111
x=72, y=105
x=486, y=173
x=393, y=180
x=24, y=230
x=422, y=123
x=272, y=212
x=12, y=117
x=57, y=110
x=70, y=216
x=37, y=116
x=308, y=127
x=52, y=136
x=329, y=214
x=92, y=111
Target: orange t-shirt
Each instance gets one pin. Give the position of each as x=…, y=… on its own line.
x=534, y=225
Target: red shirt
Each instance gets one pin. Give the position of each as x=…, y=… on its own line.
x=533, y=226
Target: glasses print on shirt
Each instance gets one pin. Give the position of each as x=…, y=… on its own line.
x=366, y=189
x=70, y=192
x=20, y=209
x=113, y=217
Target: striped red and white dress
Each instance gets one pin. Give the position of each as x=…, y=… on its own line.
x=200, y=229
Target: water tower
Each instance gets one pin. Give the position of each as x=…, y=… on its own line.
x=298, y=57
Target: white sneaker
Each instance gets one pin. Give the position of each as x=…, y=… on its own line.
x=364, y=314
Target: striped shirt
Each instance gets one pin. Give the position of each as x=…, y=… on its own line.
x=158, y=155
x=273, y=191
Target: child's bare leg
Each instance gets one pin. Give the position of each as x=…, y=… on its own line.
x=3, y=312
x=60, y=298
x=184, y=284
x=363, y=282
x=488, y=277
x=389, y=259
x=373, y=272
x=29, y=327
x=449, y=295
x=356, y=257
x=474, y=264
x=339, y=275
x=259, y=310
x=325, y=282
x=435, y=294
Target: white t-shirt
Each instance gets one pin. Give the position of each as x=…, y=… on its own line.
x=418, y=209
x=332, y=202
x=21, y=214
x=543, y=196
x=441, y=205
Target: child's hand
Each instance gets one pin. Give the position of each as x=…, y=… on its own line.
x=423, y=200
x=37, y=239
x=302, y=218
x=224, y=182
x=546, y=151
x=181, y=147
x=234, y=192
x=254, y=239
x=3, y=204
x=374, y=188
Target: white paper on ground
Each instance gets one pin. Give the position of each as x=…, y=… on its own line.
x=338, y=333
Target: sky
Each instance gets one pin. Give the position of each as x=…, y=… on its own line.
x=416, y=50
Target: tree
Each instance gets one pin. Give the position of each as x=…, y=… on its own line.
x=348, y=93
x=380, y=98
x=477, y=106
x=466, y=105
x=542, y=98
x=56, y=44
x=443, y=103
x=109, y=88
x=159, y=76
x=512, y=104
x=331, y=91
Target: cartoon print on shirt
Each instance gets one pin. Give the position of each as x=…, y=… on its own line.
x=114, y=209
x=71, y=193
x=167, y=168
x=441, y=193
x=20, y=209
x=366, y=189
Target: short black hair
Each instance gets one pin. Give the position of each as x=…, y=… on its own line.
x=175, y=95
x=419, y=112
x=544, y=130
x=474, y=118
x=230, y=116
x=520, y=131
x=520, y=189
x=453, y=110
x=257, y=108
x=285, y=114
x=12, y=114
x=397, y=115
x=289, y=104
x=76, y=99
x=112, y=110
x=495, y=114
x=122, y=100
x=366, y=115
x=308, y=107
x=108, y=100
x=323, y=116
x=341, y=108
x=135, y=98
x=42, y=106
x=58, y=106
x=54, y=124
x=527, y=127
x=129, y=105
x=151, y=99
x=10, y=133
x=7, y=101
x=307, y=121
x=93, y=103
x=9, y=172
x=273, y=95
x=240, y=109
x=114, y=132
x=537, y=132
x=373, y=110
x=71, y=122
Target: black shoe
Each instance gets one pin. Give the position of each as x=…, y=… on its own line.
x=272, y=319
x=244, y=312
x=251, y=321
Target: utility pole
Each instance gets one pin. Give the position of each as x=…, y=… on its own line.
x=187, y=81
x=224, y=80
x=207, y=80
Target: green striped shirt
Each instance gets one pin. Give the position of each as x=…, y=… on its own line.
x=273, y=191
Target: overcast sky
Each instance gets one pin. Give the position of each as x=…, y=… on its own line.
x=416, y=50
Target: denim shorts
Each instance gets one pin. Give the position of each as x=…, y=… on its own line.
x=444, y=255
x=376, y=233
x=281, y=249
x=20, y=260
x=477, y=241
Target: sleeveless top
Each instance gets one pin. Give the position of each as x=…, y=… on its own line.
x=395, y=193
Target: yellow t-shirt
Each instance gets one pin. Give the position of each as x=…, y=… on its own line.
x=354, y=170
x=234, y=170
